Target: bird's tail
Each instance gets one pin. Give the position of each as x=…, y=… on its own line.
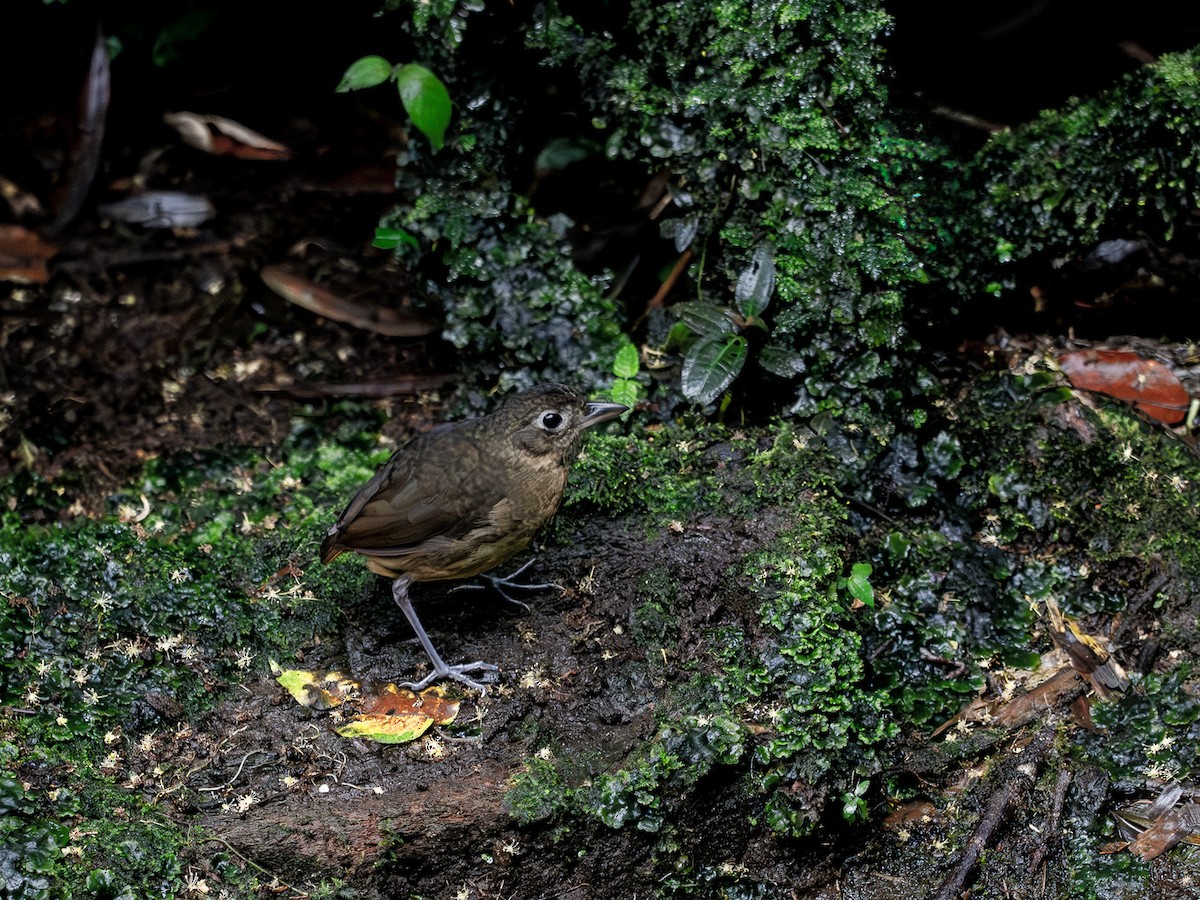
x=329, y=547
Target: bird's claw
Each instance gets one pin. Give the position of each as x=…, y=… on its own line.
x=457, y=673
x=502, y=584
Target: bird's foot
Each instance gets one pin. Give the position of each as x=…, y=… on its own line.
x=456, y=673
x=502, y=584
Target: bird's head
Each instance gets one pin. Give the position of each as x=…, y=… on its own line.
x=547, y=421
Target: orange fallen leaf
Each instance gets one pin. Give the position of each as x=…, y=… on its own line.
x=395, y=716
x=1146, y=383
x=23, y=255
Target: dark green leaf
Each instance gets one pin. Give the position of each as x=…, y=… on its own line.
x=562, y=152
x=711, y=365
x=756, y=284
x=679, y=337
x=707, y=318
x=426, y=100
x=364, y=73
x=781, y=361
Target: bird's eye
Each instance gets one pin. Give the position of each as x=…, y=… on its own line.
x=550, y=420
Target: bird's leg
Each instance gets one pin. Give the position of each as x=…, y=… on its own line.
x=502, y=584
x=440, y=668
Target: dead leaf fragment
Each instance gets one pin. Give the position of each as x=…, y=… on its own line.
x=20, y=202
x=314, y=690
x=389, y=715
x=23, y=255
x=1089, y=656
x=161, y=209
x=1146, y=383
x=395, y=716
x=224, y=137
x=1159, y=824
x=83, y=160
x=372, y=317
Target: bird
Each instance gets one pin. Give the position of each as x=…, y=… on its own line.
x=464, y=498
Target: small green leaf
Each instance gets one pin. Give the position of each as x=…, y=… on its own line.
x=756, y=284
x=711, y=365
x=897, y=545
x=627, y=391
x=426, y=100
x=859, y=584
x=391, y=238
x=364, y=73
x=707, y=318
x=626, y=363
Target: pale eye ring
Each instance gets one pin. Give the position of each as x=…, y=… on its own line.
x=550, y=420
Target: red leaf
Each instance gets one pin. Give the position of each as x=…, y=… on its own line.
x=1146, y=383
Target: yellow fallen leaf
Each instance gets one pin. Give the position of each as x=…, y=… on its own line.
x=317, y=691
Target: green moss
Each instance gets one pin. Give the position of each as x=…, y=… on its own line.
x=661, y=473
x=72, y=833
x=199, y=573
x=786, y=706
x=657, y=617
x=508, y=291
x=1002, y=528
x=537, y=793
x=768, y=118
x=1122, y=163
x=683, y=752
x=1151, y=731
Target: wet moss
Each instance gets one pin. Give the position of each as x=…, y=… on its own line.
x=118, y=631
x=965, y=575
x=659, y=473
x=782, y=694
x=1059, y=183
x=537, y=793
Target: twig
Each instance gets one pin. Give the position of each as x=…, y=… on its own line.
x=1052, y=824
x=1012, y=794
x=275, y=879
x=230, y=782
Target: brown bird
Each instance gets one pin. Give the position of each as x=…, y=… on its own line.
x=466, y=496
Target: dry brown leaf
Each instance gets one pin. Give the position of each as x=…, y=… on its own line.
x=323, y=302
x=1146, y=383
x=224, y=137
x=23, y=255
x=1159, y=824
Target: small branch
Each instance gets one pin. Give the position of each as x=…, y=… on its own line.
x=1052, y=824
x=230, y=782
x=1012, y=794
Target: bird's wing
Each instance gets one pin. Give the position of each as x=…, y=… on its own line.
x=430, y=489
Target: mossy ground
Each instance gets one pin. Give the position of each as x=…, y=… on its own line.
x=708, y=654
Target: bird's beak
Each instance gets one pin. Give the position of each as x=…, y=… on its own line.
x=599, y=411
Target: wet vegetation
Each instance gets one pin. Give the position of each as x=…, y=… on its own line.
x=813, y=585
